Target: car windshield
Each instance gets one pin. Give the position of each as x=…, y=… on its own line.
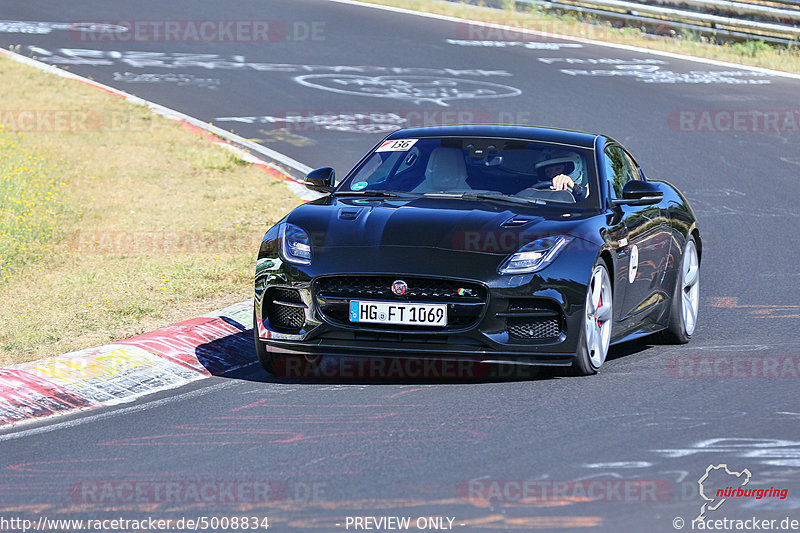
x=477, y=168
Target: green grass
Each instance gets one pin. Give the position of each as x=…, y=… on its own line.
x=34, y=204
x=129, y=224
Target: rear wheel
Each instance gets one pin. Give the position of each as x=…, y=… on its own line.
x=685, y=298
x=264, y=357
x=595, y=335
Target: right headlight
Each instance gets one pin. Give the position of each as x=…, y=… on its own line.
x=535, y=255
x=295, y=244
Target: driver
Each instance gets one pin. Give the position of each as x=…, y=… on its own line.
x=564, y=171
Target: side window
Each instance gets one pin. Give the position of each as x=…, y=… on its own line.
x=375, y=169
x=619, y=169
x=638, y=173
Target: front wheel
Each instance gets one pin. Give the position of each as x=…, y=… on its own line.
x=595, y=335
x=685, y=297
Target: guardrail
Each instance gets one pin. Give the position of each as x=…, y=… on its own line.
x=739, y=8
x=743, y=20
x=773, y=3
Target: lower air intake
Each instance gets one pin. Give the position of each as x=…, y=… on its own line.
x=285, y=310
x=533, y=328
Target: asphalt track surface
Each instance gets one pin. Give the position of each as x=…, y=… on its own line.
x=657, y=414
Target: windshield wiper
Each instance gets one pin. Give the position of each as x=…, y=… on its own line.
x=387, y=194
x=496, y=196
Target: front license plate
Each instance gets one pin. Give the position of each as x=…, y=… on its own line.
x=406, y=314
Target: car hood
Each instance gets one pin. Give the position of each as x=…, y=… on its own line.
x=441, y=223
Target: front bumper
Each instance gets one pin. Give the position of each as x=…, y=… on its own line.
x=490, y=338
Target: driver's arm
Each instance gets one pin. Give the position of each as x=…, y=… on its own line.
x=562, y=182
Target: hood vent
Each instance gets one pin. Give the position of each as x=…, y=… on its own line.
x=348, y=214
x=518, y=220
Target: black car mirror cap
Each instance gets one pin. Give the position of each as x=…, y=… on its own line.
x=639, y=192
x=321, y=180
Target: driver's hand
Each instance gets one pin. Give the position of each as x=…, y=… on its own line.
x=562, y=182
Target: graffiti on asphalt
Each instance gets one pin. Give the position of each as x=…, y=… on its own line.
x=415, y=89
x=182, y=80
x=175, y=60
x=650, y=71
x=353, y=122
x=44, y=28
x=529, y=45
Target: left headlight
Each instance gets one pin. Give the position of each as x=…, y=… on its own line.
x=535, y=255
x=295, y=244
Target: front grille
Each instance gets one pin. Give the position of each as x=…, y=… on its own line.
x=465, y=300
x=533, y=328
x=285, y=309
x=380, y=287
x=532, y=319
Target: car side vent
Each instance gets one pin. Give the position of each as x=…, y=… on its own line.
x=349, y=214
x=518, y=220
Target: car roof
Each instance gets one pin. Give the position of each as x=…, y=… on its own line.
x=533, y=133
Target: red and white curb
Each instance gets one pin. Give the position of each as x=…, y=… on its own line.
x=163, y=359
x=166, y=358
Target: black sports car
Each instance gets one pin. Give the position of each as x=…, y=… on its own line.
x=509, y=244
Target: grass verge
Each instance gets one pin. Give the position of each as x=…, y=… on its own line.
x=754, y=53
x=114, y=220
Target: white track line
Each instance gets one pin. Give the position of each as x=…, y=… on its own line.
x=572, y=38
x=167, y=112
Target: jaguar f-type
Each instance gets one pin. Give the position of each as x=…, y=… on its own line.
x=506, y=244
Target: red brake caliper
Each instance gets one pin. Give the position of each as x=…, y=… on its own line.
x=599, y=305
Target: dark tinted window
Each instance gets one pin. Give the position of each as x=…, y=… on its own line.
x=457, y=165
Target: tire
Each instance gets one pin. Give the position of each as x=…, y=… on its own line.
x=682, y=319
x=264, y=357
x=598, y=319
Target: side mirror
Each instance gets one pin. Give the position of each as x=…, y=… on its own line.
x=637, y=192
x=320, y=180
